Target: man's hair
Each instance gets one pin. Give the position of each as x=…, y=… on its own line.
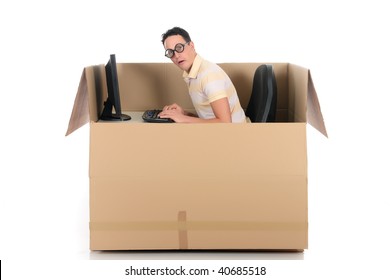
x=176, y=31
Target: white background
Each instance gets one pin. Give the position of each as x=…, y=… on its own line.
x=44, y=175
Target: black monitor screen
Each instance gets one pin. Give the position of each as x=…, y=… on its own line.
x=113, y=100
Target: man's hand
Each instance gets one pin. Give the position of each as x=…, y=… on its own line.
x=174, y=106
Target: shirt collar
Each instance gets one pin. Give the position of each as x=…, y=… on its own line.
x=194, y=68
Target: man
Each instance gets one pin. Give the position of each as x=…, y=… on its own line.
x=211, y=90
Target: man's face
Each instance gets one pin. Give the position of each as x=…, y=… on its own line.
x=184, y=59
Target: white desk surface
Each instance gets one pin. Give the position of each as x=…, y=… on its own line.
x=136, y=116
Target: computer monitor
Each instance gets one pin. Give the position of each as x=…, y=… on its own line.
x=113, y=100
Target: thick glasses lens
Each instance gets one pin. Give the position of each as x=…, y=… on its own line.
x=169, y=53
x=179, y=48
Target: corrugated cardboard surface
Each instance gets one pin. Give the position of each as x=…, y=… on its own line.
x=251, y=196
x=197, y=186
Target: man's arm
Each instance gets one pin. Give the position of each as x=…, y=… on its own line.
x=220, y=108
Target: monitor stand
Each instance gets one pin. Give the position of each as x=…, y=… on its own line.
x=108, y=115
x=114, y=117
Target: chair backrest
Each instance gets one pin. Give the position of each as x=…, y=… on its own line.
x=262, y=103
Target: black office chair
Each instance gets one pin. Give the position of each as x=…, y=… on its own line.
x=262, y=103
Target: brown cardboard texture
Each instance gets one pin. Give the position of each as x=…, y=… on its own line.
x=197, y=186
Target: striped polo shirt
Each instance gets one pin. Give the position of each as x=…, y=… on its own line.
x=207, y=82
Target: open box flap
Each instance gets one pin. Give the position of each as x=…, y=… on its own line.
x=314, y=114
x=80, y=112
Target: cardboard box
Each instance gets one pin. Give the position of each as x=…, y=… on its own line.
x=197, y=186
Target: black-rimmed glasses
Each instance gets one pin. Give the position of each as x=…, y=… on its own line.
x=179, y=48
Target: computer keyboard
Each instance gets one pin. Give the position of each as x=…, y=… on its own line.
x=152, y=116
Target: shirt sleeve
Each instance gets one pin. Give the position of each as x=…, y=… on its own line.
x=215, y=86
